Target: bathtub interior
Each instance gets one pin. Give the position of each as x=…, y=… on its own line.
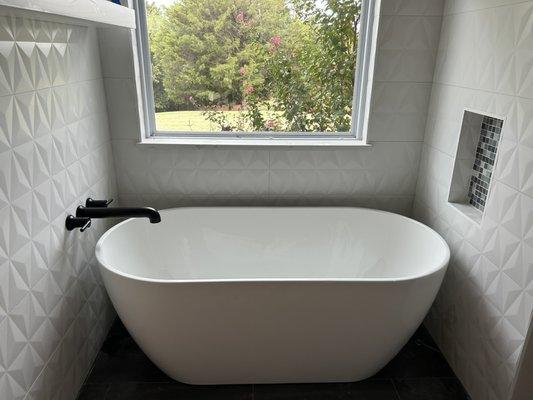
x=272, y=243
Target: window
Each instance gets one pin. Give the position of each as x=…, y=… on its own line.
x=256, y=68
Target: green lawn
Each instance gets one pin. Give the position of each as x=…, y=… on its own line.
x=186, y=121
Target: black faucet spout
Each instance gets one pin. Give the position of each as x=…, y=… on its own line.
x=114, y=212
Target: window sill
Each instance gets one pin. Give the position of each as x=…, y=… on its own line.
x=259, y=141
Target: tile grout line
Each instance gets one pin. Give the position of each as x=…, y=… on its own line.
x=34, y=139
x=66, y=84
x=453, y=85
x=396, y=390
x=446, y=14
x=50, y=179
x=93, y=362
x=51, y=357
x=106, y=392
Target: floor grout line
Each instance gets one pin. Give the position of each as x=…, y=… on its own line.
x=106, y=392
x=396, y=389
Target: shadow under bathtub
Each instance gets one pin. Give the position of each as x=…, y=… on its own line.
x=122, y=371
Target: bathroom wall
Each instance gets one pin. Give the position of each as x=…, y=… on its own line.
x=481, y=315
x=55, y=150
x=383, y=176
x=523, y=386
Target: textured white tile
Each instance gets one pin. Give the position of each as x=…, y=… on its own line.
x=399, y=111
x=216, y=158
x=409, y=33
x=326, y=159
x=52, y=118
x=115, y=52
x=122, y=108
x=525, y=169
x=317, y=182
x=481, y=315
x=405, y=65
x=412, y=7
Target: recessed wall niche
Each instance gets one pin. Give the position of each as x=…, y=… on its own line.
x=474, y=163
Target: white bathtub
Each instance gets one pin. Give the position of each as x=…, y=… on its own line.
x=272, y=295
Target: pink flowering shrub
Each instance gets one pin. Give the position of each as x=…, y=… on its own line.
x=275, y=42
x=240, y=16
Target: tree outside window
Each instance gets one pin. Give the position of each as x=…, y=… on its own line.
x=254, y=65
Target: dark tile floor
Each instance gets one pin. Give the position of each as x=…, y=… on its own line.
x=122, y=372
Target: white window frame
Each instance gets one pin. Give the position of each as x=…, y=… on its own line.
x=363, y=84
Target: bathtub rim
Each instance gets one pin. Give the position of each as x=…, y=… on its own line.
x=442, y=265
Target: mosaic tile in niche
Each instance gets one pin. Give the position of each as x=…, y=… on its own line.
x=484, y=161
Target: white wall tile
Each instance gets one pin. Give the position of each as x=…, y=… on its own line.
x=399, y=111
x=481, y=314
x=55, y=151
x=116, y=53
x=406, y=32
x=412, y=7
x=122, y=108
x=405, y=65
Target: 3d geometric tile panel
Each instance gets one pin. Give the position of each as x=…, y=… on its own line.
x=481, y=315
x=55, y=150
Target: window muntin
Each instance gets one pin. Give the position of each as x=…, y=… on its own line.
x=289, y=74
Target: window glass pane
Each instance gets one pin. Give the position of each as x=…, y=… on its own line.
x=253, y=65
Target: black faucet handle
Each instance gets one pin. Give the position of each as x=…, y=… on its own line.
x=87, y=224
x=73, y=222
x=97, y=203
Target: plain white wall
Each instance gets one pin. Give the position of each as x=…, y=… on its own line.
x=481, y=315
x=55, y=150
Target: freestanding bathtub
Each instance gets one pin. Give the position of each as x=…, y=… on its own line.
x=272, y=295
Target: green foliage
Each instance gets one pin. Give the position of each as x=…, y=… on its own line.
x=288, y=63
x=201, y=45
x=155, y=19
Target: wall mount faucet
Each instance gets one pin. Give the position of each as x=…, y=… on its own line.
x=99, y=209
